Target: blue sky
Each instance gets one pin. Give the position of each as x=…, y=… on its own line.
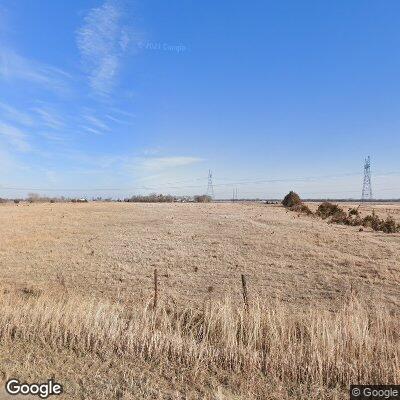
x=120, y=97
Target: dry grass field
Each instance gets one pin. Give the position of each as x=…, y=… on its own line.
x=77, y=289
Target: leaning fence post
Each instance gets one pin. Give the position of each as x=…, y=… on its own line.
x=245, y=296
x=155, y=288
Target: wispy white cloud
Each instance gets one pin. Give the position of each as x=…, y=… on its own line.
x=120, y=116
x=49, y=118
x=15, y=137
x=126, y=164
x=123, y=113
x=102, y=40
x=92, y=130
x=52, y=137
x=15, y=115
x=96, y=122
x=117, y=120
x=16, y=67
x=162, y=163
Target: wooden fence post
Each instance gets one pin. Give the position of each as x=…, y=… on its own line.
x=155, y=288
x=245, y=296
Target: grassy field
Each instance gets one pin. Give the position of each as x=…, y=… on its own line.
x=77, y=292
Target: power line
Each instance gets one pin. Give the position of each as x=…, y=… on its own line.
x=145, y=187
x=221, y=184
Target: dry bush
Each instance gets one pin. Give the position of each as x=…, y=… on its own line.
x=291, y=199
x=374, y=222
x=314, y=350
x=354, y=212
x=303, y=208
x=327, y=209
x=202, y=198
x=355, y=221
x=354, y=217
x=338, y=216
x=293, y=202
x=389, y=225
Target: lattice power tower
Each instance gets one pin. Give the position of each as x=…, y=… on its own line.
x=210, y=186
x=367, y=187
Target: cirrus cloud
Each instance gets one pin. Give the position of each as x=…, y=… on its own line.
x=15, y=137
x=15, y=67
x=161, y=163
x=102, y=40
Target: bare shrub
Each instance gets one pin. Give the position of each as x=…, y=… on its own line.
x=338, y=216
x=372, y=221
x=341, y=218
x=293, y=202
x=291, y=199
x=202, y=198
x=354, y=212
x=355, y=221
x=389, y=225
x=303, y=208
x=327, y=209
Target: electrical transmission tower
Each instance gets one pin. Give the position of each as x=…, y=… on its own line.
x=210, y=187
x=235, y=195
x=367, y=187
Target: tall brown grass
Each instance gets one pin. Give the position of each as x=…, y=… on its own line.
x=315, y=349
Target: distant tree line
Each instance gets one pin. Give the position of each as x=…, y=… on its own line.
x=150, y=198
x=161, y=198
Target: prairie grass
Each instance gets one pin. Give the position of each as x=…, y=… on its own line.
x=319, y=351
